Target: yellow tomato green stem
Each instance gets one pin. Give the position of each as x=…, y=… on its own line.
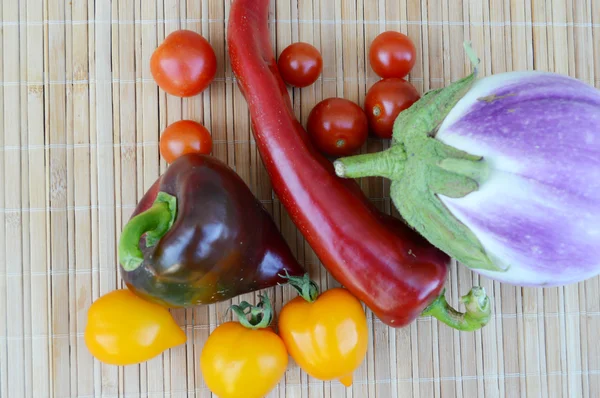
x=305, y=287
x=261, y=314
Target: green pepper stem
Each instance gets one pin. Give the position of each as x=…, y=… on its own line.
x=305, y=287
x=478, y=312
x=154, y=222
x=261, y=315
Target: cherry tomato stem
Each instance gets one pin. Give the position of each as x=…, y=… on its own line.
x=337, y=127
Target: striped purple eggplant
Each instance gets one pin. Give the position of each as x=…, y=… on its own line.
x=502, y=173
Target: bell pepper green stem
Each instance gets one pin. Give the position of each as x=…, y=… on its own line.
x=154, y=222
x=261, y=315
x=478, y=312
x=305, y=287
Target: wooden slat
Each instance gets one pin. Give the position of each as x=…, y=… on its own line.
x=13, y=220
x=39, y=304
x=81, y=182
x=3, y=260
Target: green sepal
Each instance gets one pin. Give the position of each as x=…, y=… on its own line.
x=423, y=168
x=305, y=287
x=261, y=315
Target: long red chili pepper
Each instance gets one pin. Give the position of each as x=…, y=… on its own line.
x=379, y=259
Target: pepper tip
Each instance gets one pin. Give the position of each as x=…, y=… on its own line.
x=346, y=380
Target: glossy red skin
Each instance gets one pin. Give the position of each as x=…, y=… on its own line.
x=337, y=127
x=184, y=136
x=392, y=54
x=223, y=242
x=184, y=64
x=300, y=64
x=384, y=102
x=384, y=263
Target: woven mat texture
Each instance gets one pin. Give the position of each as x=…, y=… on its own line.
x=81, y=118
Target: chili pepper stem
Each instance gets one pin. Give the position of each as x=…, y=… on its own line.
x=261, y=315
x=154, y=222
x=477, y=315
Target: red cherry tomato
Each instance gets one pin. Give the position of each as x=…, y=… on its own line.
x=384, y=102
x=184, y=64
x=392, y=54
x=300, y=64
x=184, y=136
x=337, y=126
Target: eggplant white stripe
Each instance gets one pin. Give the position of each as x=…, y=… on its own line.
x=539, y=209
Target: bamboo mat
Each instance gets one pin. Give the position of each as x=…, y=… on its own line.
x=81, y=119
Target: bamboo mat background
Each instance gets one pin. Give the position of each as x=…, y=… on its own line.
x=81, y=119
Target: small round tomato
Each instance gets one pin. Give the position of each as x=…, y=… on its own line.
x=124, y=329
x=300, y=64
x=392, y=54
x=337, y=126
x=184, y=136
x=326, y=334
x=384, y=102
x=244, y=359
x=184, y=64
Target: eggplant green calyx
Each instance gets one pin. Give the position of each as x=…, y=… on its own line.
x=421, y=168
x=154, y=222
x=305, y=287
x=477, y=316
x=261, y=315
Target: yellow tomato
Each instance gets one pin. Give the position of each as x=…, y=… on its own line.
x=326, y=335
x=243, y=360
x=124, y=329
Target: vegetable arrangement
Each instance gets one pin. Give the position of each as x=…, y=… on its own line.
x=500, y=173
x=379, y=259
x=482, y=171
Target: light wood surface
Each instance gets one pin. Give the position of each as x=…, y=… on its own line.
x=81, y=119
